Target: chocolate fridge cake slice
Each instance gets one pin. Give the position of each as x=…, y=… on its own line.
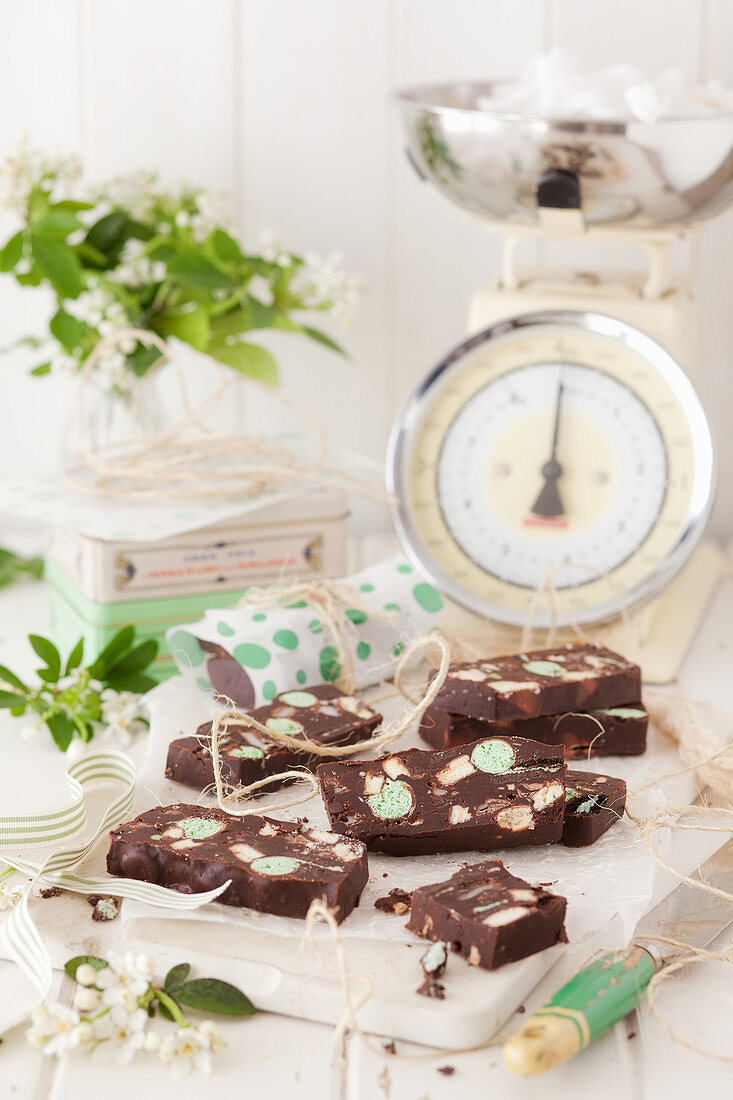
x=593, y=803
x=608, y=731
x=544, y=681
x=323, y=713
x=488, y=915
x=274, y=866
x=494, y=793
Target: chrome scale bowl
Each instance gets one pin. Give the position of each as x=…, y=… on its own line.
x=676, y=172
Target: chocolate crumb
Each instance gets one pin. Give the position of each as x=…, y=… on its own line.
x=431, y=988
x=396, y=901
x=631, y=1035
x=106, y=909
x=435, y=960
x=446, y=1070
x=389, y=1046
x=50, y=892
x=94, y=898
x=521, y=1008
x=384, y=874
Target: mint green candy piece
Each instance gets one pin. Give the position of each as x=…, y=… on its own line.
x=298, y=698
x=428, y=597
x=225, y=630
x=355, y=615
x=394, y=800
x=275, y=865
x=286, y=638
x=493, y=756
x=283, y=725
x=621, y=712
x=363, y=650
x=199, y=828
x=156, y=836
x=247, y=752
x=329, y=664
x=570, y=792
x=544, y=668
x=251, y=655
x=587, y=806
x=185, y=645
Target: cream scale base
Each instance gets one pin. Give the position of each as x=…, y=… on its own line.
x=658, y=633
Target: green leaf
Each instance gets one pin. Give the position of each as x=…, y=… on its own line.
x=322, y=338
x=142, y=359
x=57, y=224
x=88, y=252
x=249, y=359
x=176, y=976
x=226, y=247
x=109, y=234
x=231, y=323
x=138, y=684
x=67, y=329
x=39, y=371
x=135, y=661
x=62, y=729
x=9, y=700
x=116, y=646
x=59, y=264
x=212, y=995
x=8, y=677
x=12, y=252
x=73, y=965
x=74, y=205
x=48, y=652
x=195, y=271
x=190, y=325
x=262, y=316
x=75, y=657
x=30, y=278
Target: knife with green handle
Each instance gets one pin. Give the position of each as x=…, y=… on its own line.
x=611, y=986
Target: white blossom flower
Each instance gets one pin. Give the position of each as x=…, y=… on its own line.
x=191, y=1047
x=9, y=895
x=86, y=975
x=119, y=1034
x=87, y=999
x=271, y=248
x=121, y=715
x=28, y=168
x=55, y=1029
x=122, y=982
x=323, y=282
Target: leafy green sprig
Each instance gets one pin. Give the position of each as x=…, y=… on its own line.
x=135, y=255
x=71, y=699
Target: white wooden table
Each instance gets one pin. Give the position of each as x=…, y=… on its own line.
x=272, y=1057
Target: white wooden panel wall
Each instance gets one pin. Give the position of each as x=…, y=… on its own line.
x=287, y=106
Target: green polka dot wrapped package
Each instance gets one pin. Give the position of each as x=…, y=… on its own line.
x=252, y=653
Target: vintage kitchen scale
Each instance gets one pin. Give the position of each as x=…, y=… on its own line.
x=558, y=463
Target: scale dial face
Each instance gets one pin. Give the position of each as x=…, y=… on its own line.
x=560, y=449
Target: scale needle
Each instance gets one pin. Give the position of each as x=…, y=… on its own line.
x=548, y=503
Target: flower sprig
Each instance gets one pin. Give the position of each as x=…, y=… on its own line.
x=131, y=254
x=74, y=701
x=114, y=1002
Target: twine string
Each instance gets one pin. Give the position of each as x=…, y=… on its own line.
x=189, y=459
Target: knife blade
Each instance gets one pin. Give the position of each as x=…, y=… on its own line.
x=608, y=988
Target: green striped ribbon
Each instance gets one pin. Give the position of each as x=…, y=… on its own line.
x=19, y=933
